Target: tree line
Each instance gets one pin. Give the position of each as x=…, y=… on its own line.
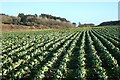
x=110, y=23
x=36, y=20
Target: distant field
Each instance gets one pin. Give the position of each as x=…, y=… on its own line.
x=22, y=28
x=68, y=54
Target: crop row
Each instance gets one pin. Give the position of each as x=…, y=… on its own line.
x=55, y=55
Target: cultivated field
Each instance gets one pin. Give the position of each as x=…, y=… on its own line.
x=69, y=54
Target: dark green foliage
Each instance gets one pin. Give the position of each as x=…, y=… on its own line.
x=53, y=17
x=110, y=23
